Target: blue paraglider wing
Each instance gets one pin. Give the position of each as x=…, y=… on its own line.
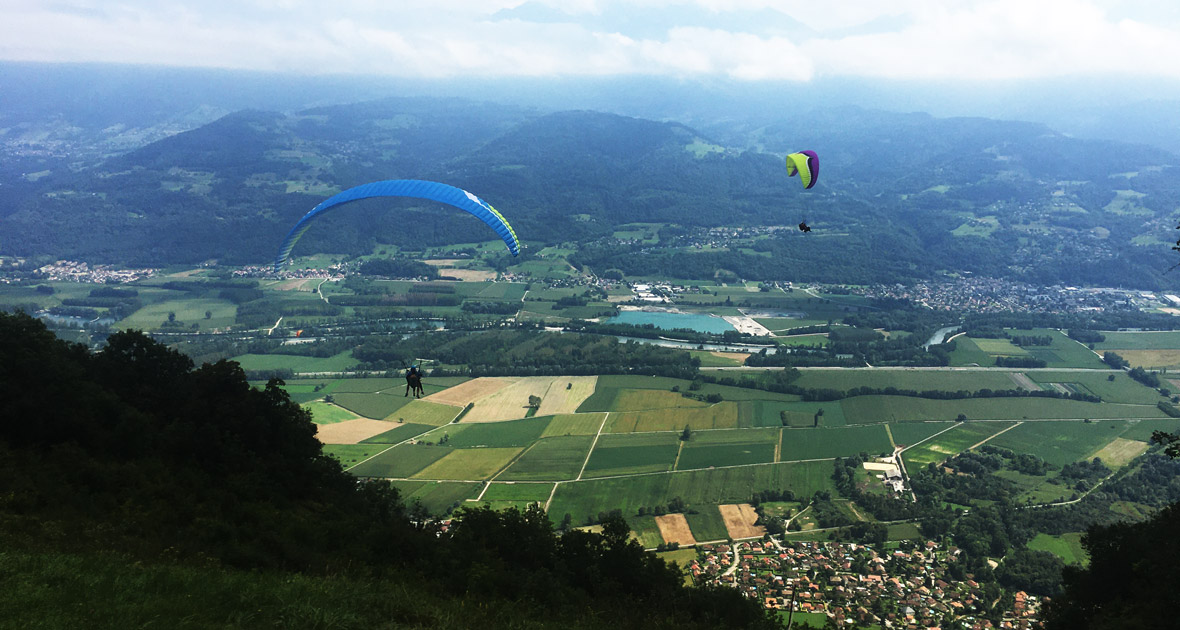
x=420, y=189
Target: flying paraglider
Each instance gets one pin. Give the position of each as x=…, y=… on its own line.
x=419, y=189
x=805, y=164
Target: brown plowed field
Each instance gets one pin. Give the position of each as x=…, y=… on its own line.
x=352, y=431
x=674, y=528
x=739, y=520
x=470, y=391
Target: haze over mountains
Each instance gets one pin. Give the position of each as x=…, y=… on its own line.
x=92, y=177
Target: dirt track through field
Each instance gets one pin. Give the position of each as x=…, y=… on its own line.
x=739, y=521
x=352, y=431
x=674, y=528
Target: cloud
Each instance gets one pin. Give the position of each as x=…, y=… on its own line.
x=746, y=39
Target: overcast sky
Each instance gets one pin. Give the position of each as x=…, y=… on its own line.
x=743, y=39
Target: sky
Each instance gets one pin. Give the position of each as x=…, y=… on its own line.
x=734, y=39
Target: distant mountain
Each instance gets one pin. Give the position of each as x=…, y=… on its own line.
x=901, y=196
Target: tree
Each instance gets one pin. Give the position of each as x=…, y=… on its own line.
x=171, y=316
x=208, y=314
x=961, y=417
x=534, y=401
x=686, y=435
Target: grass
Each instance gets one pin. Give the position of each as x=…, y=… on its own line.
x=845, y=380
x=190, y=310
x=555, y=458
x=800, y=444
x=869, y=409
x=1122, y=389
x=337, y=363
x=707, y=524
x=438, y=497
x=910, y=433
x=951, y=443
x=703, y=453
x=723, y=415
x=903, y=531
x=469, y=463
x=1167, y=340
x=499, y=434
x=698, y=488
x=1060, y=443
x=351, y=454
x=710, y=359
x=1063, y=352
x=327, y=413
x=1068, y=547
x=377, y=406
x=423, y=412
x=573, y=424
x=629, y=454
x=1142, y=429
x=400, y=434
x=401, y=461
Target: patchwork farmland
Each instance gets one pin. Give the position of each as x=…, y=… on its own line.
x=641, y=445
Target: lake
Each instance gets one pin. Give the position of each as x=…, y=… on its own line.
x=663, y=319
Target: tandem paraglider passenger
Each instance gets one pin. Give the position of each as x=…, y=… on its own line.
x=414, y=381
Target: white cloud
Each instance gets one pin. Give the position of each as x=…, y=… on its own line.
x=931, y=39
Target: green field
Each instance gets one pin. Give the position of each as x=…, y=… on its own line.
x=723, y=415
x=327, y=413
x=910, y=433
x=400, y=434
x=951, y=443
x=1141, y=430
x=1068, y=547
x=351, y=454
x=1164, y=340
x=736, y=447
x=869, y=409
x=707, y=524
x=423, y=412
x=438, y=497
x=917, y=380
x=401, y=461
x=377, y=406
x=698, y=488
x=632, y=453
x=338, y=363
x=555, y=458
x=190, y=310
x=573, y=424
x=1060, y=443
x=517, y=495
x=1063, y=352
x=822, y=443
x=904, y=531
x=498, y=434
x=1123, y=389
x=468, y=463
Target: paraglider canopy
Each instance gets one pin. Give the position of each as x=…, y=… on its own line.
x=416, y=188
x=806, y=165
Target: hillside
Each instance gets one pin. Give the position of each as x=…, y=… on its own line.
x=913, y=195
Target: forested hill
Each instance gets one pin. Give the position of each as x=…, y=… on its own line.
x=908, y=194
x=136, y=490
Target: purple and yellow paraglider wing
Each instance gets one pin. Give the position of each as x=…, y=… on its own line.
x=805, y=164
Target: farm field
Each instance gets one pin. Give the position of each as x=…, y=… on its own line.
x=1152, y=359
x=419, y=411
x=1147, y=340
x=1120, y=452
x=350, y=454
x=707, y=524
x=723, y=415
x=468, y=464
x=1068, y=547
x=517, y=495
x=953, y=442
x=736, y=447
x=868, y=409
x=822, y=443
x=351, y=431
x=1123, y=389
x=371, y=405
x=1063, y=352
x=400, y=461
x=739, y=521
x=436, y=496
x=556, y=458
x=574, y=424
x=500, y=434
x=336, y=363
x=328, y=413
x=399, y=434
x=698, y=488
x=1142, y=429
x=674, y=528
x=1060, y=443
x=190, y=310
x=634, y=453
x=910, y=433
x=917, y=380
